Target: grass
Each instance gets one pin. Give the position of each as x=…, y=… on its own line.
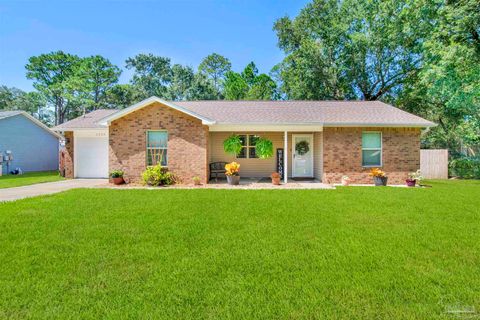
x=10, y=181
x=350, y=253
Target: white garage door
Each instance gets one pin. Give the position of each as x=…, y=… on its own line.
x=91, y=155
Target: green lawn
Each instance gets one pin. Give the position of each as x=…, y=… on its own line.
x=350, y=253
x=10, y=181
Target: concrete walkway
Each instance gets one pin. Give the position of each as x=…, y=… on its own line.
x=40, y=189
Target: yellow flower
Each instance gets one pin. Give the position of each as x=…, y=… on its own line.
x=376, y=172
x=232, y=169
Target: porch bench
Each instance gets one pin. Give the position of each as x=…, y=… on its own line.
x=216, y=169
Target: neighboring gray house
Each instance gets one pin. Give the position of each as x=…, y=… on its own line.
x=33, y=145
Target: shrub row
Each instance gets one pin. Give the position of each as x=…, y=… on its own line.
x=466, y=168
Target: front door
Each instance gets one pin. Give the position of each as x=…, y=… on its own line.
x=302, y=164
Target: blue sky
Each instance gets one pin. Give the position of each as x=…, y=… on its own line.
x=185, y=31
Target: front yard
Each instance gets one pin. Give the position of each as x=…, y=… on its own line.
x=350, y=253
x=28, y=178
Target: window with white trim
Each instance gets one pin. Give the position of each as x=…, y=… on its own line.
x=372, y=149
x=249, y=149
x=157, y=142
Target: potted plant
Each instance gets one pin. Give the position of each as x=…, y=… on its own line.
x=413, y=177
x=196, y=181
x=233, y=144
x=117, y=177
x=232, y=170
x=264, y=148
x=346, y=181
x=379, y=177
x=276, y=178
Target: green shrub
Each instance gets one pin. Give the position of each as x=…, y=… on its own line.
x=116, y=173
x=158, y=176
x=232, y=144
x=466, y=168
x=264, y=148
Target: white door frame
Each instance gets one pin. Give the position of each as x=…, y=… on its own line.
x=310, y=135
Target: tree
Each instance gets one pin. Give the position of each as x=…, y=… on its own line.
x=236, y=87
x=32, y=102
x=447, y=90
x=181, y=80
x=99, y=75
x=202, y=89
x=121, y=96
x=152, y=73
x=215, y=67
x=56, y=76
x=263, y=88
x=9, y=97
x=351, y=49
x=249, y=85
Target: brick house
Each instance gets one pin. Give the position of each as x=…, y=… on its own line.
x=324, y=140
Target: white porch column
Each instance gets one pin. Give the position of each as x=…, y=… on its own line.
x=285, y=156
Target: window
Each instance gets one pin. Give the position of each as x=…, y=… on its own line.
x=248, y=146
x=157, y=147
x=372, y=149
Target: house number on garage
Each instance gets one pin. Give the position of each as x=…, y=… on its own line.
x=100, y=134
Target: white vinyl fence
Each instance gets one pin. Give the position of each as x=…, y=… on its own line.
x=434, y=163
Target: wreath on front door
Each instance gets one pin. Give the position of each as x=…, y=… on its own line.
x=302, y=147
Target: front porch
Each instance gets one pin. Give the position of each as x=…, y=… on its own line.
x=286, y=160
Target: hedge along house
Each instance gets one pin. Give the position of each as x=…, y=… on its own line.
x=324, y=140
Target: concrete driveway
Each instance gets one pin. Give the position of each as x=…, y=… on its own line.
x=40, y=189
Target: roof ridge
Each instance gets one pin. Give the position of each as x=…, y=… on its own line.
x=256, y=100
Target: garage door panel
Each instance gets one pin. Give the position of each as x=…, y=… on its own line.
x=91, y=155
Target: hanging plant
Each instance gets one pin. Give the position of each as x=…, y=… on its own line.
x=264, y=148
x=302, y=147
x=232, y=144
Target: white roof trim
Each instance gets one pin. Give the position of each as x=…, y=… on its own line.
x=259, y=126
x=34, y=120
x=107, y=120
x=391, y=125
x=80, y=129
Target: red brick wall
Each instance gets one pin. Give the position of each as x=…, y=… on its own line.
x=67, y=161
x=342, y=154
x=187, y=142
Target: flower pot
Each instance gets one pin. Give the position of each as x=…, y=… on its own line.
x=276, y=181
x=345, y=183
x=233, y=180
x=411, y=182
x=197, y=182
x=380, y=181
x=118, y=180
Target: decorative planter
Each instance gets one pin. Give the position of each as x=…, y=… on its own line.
x=411, y=182
x=118, y=180
x=276, y=181
x=197, y=182
x=345, y=182
x=233, y=180
x=380, y=181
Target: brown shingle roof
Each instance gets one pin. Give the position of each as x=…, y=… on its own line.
x=303, y=112
x=88, y=121
x=326, y=113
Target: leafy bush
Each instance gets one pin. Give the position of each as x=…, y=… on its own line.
x=264, y=148
x=466, y=168
x=116, y=173
x=158, y=176
x=232, y=144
